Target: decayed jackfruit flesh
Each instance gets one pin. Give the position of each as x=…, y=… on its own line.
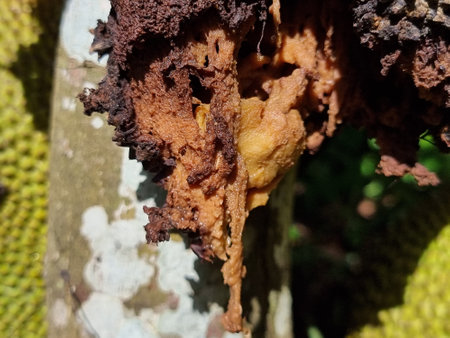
x=269, y=136
x=220, y=99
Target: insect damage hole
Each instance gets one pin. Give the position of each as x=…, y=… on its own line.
x=202, y=93
x=217, y=47
x=201, y=97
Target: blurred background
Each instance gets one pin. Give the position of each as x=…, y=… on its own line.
x=370, y=254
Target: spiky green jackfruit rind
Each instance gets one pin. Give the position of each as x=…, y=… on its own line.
x=405, y=290
x=23, y=170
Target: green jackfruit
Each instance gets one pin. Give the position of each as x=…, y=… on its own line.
x=27, y=45
x=404, y=291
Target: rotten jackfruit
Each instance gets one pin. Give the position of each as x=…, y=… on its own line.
x=219, y=99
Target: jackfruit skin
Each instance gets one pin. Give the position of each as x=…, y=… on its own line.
x=26, y=57
x=411, y=36
x=404, y=291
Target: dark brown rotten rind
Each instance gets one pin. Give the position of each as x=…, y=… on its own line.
x=411, y=41
x=219, y=98
x=412, y=36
